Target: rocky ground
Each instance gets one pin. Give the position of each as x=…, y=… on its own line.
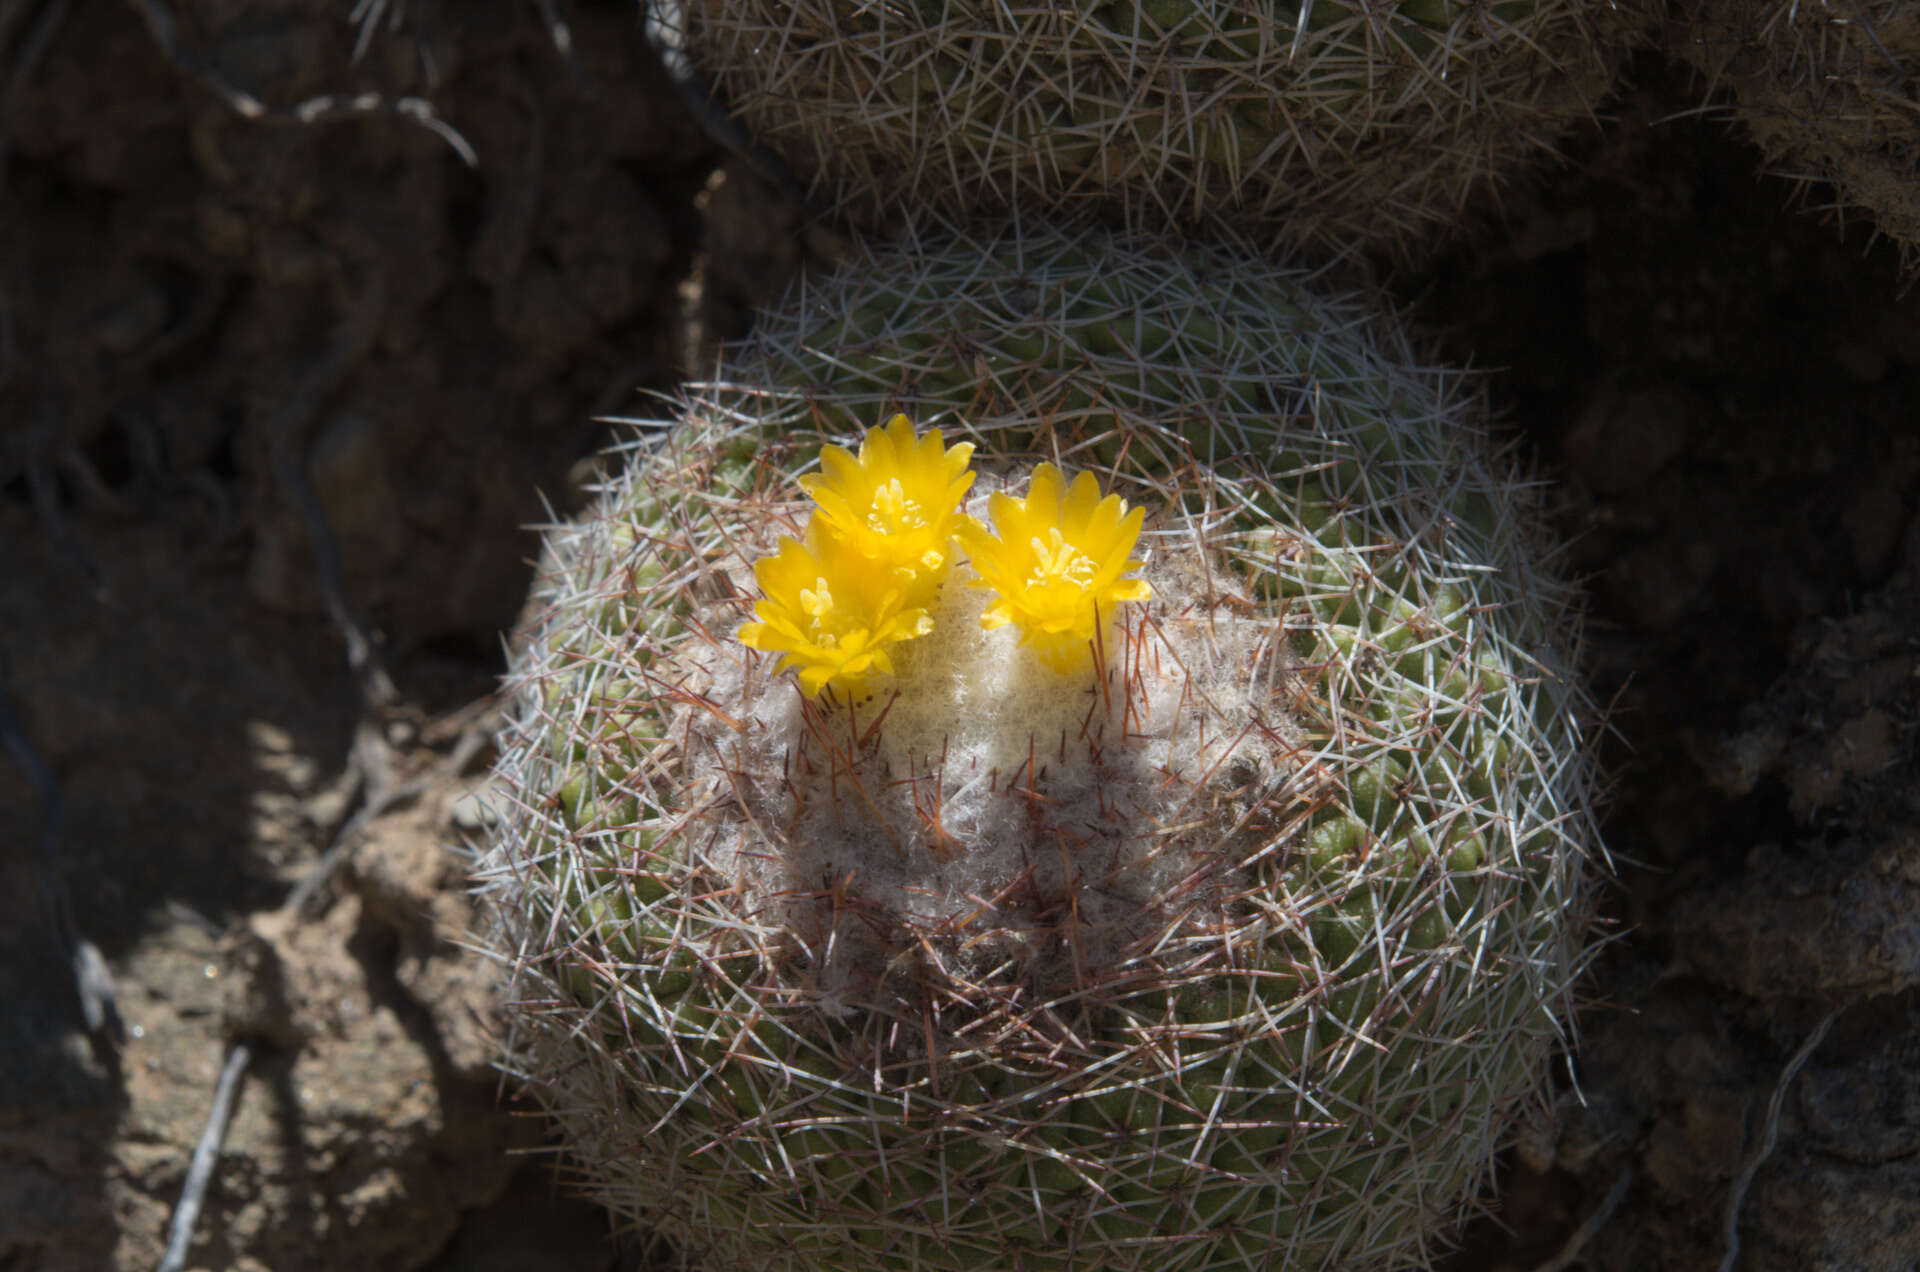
x=269, y=384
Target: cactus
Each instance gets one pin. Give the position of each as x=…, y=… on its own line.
x=1232, y=931
x=1369, y=126
x=1824, y=91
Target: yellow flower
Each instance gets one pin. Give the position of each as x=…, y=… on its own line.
x=830, y=613
x=898, y=504
x=1057, y=561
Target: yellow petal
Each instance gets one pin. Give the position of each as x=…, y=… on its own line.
x=1082, y=500
x=1044, y=491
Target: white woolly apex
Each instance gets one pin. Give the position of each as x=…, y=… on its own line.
x=984, y=818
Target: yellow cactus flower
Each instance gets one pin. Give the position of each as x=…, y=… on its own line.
x=1058, y=561
x=830, y=613
x=898, y=503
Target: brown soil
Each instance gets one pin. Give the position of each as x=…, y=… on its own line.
x=232, y=350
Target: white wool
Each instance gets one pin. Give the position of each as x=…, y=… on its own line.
x=981, y=813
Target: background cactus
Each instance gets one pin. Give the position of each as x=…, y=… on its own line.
x=1247, y=951
x=1370, y=125
x=1826, y=92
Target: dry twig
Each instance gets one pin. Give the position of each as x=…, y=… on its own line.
x=99, y=1003
x=666, y=33
x=42, y=485
x=1576, y=1241
x=368, y=762
x=193, y=1193
x=32, y=49
x=315, y=110
x=1730, y=1223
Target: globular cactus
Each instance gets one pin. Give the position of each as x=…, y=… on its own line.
x=1335, y=123
x=1226, y=921
x=1826, y=91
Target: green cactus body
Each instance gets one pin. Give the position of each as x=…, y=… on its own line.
x=1244, y=948
x=1368, y=125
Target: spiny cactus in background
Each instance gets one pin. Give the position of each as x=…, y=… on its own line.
x=1230, y=928
x=1826, y=90
x=1367, y=125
